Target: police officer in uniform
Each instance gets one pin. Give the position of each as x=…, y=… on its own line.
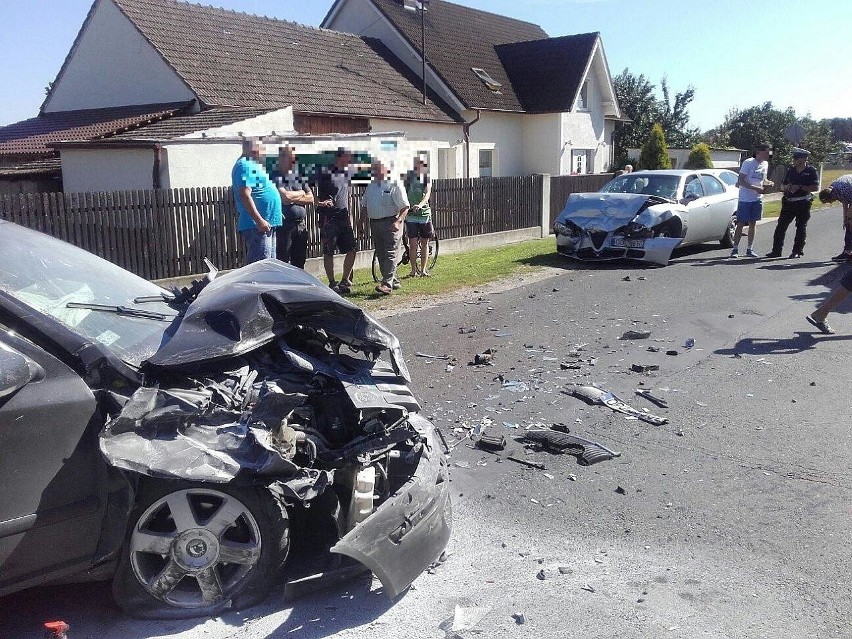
x=800, y=183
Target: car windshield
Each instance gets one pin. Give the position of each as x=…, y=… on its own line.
x=48, y=274
x=644, y=183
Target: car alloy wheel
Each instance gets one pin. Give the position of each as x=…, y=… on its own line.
x=194, y=550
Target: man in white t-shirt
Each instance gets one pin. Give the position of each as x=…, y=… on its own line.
x=751, y=182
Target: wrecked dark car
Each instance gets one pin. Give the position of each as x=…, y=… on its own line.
x=645, y=215
x=169, y=440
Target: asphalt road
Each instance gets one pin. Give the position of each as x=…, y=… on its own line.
x=731, y=520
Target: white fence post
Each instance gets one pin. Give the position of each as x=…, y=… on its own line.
x=545, y=205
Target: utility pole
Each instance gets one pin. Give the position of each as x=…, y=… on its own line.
x=424, y=4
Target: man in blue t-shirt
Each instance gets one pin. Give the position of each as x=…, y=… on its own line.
x=258, y=203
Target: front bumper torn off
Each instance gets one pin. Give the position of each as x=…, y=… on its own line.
x=410, y=530
x=654, y=250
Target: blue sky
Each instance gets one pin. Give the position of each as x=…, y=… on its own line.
x=735, y=54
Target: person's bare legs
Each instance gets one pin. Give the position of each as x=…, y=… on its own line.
x=348, y=263
x=830, y=304
x=328, y=263
x=412, y=255
x=738, y=234
x=424, y=253
x=752, y=227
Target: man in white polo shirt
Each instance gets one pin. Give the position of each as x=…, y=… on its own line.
x=386, y=205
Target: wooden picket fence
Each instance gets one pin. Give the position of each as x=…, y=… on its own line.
x=168, y=233
x=564, y=185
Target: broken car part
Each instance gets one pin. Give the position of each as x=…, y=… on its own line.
x=588, y=452
x=594, y=395
x=657, y=401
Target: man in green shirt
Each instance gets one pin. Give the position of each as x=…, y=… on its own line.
x=418, y=224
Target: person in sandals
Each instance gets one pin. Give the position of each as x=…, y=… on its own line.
x=418, y=224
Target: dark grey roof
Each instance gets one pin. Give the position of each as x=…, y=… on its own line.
x=460, y=38
x=546, y=74
x=237, y=59
x=180, y=125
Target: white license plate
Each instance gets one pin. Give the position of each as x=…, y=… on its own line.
x=621, y=242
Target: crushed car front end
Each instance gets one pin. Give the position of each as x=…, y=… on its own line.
x=270, y=378
x=616, y=226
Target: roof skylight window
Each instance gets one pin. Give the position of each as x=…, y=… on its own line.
x=487, y=80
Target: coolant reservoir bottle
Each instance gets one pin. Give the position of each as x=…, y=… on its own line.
x=362, y=496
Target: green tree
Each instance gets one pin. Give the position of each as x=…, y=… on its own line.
x=635, y=95
x=638, y=101
x=841, y=129
x=747, y=128
x=818, y=139
x=674, y=117
x=699, y=157
x=655, y=152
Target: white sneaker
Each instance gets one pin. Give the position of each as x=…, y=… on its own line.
x=751, y=253
x=735, y=252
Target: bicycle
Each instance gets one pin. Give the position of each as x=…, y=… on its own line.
x=431, y=259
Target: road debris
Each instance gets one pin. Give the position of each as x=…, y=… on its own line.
x=520, y=618
x=644, y=392
x=527, y=462
x=467, y=618
x=672, y=353
x=427, y=356
x=689, y=343
x=587, y=451
x=467, y=330
x=636, y=335
x=541, y=574
x=491, y=442
x=516, y=386
x=593, y=395
x=620, y=491
x=588, y=588
x=644, y=368
x=485, y=357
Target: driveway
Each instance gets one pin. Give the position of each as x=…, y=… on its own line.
x=731, y=520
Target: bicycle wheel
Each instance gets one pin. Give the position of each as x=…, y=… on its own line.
x=431, y=255
x=377, y=272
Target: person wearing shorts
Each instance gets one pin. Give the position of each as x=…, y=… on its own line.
x=418, y=224
x=333, y=187
x=752, y=182
x=817, y=318
x=841, y=191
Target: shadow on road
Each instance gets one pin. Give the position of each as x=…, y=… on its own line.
x=803, y=341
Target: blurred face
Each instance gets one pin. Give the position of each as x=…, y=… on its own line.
x=254, y=151
x=420, y=165
x=286, y=158
x=763, y=155
x=378, y=171
x=344, y=160
x=799, y=162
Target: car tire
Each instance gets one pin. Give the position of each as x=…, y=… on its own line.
x=196, y=550
x=727, y=240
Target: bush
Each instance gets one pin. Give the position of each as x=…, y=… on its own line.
x=655, y=153
x=699, y=157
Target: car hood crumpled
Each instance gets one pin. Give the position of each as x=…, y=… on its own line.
x=608, y=211
x=254, y=305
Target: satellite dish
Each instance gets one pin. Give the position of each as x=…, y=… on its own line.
x=795, y=133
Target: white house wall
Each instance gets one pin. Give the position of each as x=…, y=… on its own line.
x=541, y=151
x=85, y=170
x=187, y=165
x=428, y=137
x=586, y=130
x=278, y=122
x=113, y=65
x=503, y=132
x=361, y=17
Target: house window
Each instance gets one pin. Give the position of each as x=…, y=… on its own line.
x=487, y=80
x=486, y=162
x=583, y=99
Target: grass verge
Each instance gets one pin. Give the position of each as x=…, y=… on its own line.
x=459, y=270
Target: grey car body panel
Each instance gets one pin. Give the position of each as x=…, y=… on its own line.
x=253, y=305
x=409, y=530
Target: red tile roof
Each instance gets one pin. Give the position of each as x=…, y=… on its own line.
x=32, y=137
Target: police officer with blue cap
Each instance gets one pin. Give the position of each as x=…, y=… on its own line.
x=799, y=185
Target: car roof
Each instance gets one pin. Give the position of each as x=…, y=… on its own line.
x=671, y=172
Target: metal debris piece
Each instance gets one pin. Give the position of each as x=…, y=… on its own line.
x=516, y=386
x=657, y=401
x=570, y=366
x=527, y=462
x=519, y=618
x=465, y=330
x=593, y=395
x=565, y=570
x=653, y=349
x=541, y=574
x=644, y=368
x=636, y=335
x=671, y=352
x=427, y=356
x=587, y=588
x=620, y=491
x=689, y=343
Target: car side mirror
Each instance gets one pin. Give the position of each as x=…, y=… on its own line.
x=689, y=197
x=16, y=371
